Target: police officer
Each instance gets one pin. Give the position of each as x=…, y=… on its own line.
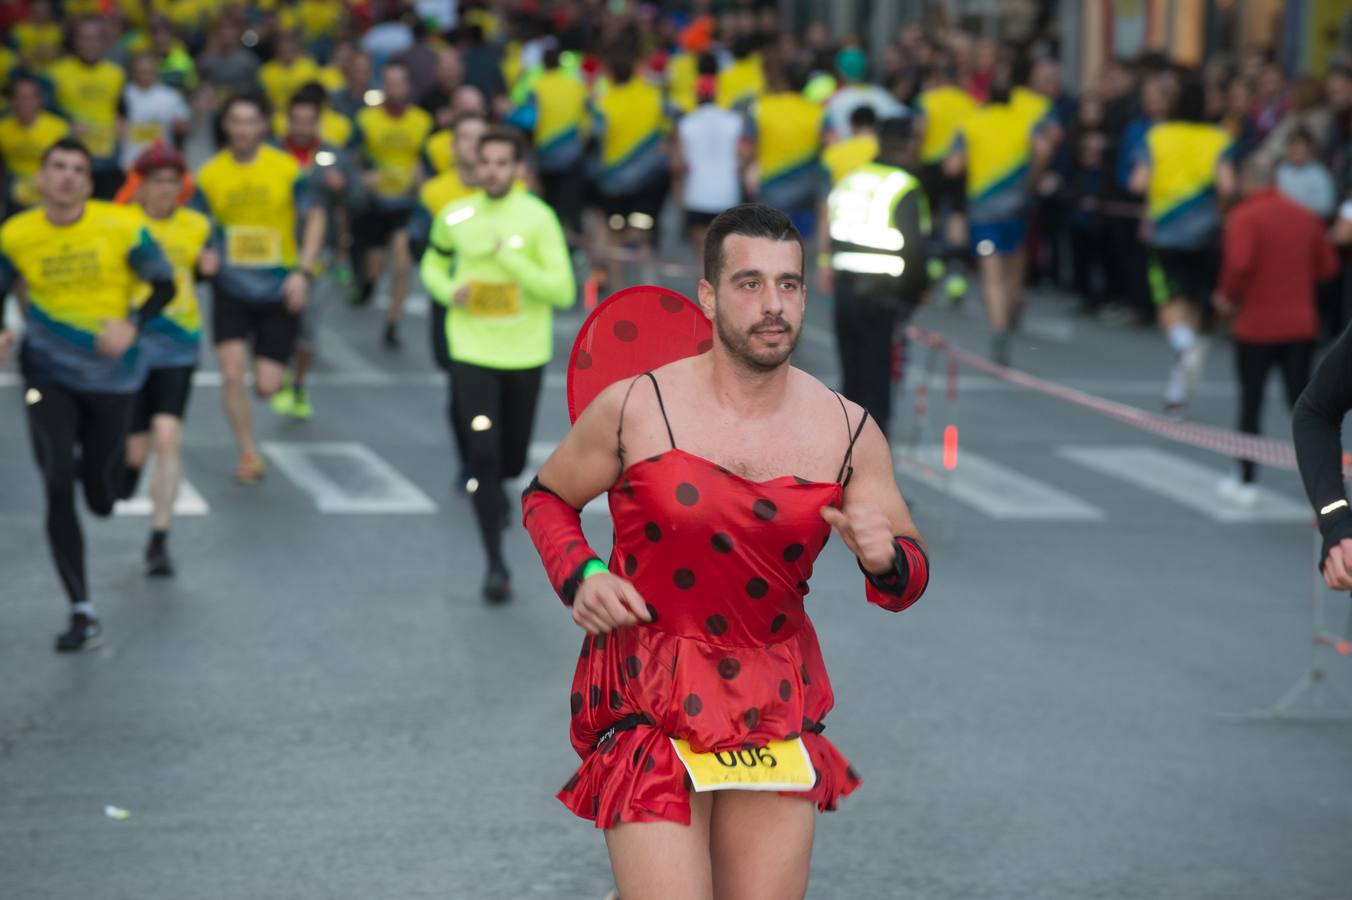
x=879, y=229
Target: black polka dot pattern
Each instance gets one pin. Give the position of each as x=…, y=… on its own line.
x=616, y=699
x=671, y=303
x=572, y=783
x=652, y=612
x=757, y=588
x=684, y=579
x=751, y=717
x=785, y=690
x=625, y=330
x=716, y=625
x=649, y=764
x=764, y=509
x=802, y=670
x=704, y=346
x=729, y=668
x=583, y=360
x=586, y=647
x=686, y=494
x=595, y=696
x=693, y=705
x=599, y=642
x=721, y=542
x=630, y=565
x=792, y=553
x=778, y=623
x=632, y=667
x=575, y=702
x=652, y=532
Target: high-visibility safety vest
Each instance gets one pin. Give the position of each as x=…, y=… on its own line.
x=861, y=213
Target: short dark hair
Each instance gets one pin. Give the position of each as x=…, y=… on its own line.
x=1191, y=103
x=503, y=134
x=863, y=116
x=552, y=57
x=21, y=77
x=312, y=94
x=1300, y=133
x=252, y=98
x=621, y=68
x=748, y=220
x=68, y=145
x=894, y=135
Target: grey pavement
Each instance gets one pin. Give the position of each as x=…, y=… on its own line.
x=319, y=705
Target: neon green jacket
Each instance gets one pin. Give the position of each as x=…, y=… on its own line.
x=513, y=246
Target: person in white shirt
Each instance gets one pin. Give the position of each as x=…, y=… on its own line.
x=154, y=111
x=705, y=156
x=1303, y=178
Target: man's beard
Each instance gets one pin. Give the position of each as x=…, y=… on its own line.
x=742, y=350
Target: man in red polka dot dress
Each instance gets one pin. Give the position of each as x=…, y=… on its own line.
x=699, y=697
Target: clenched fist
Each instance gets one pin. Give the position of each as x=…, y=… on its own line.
x=605, y=602
x=868, y=534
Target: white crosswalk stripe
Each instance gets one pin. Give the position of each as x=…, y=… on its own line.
x=188, y=503
x=347, y=477
x=996, y=490
x=1184, y=481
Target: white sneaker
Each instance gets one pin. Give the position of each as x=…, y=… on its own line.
x=1237, y=492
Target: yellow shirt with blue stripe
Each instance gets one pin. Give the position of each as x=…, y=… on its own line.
x=257, y=208
x=740, y=82
x=843, y=157
x=78, y=275
x=1181, y=195
x=787, y=128
x=631, y=120
x=170, y=339
x=944, y=110
x=556, y=110
x=391, y=146
x=997, y=141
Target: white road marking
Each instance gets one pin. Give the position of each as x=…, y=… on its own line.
x=367, y=484
x=188, y=503
x=996, y=490
x=1181, y=480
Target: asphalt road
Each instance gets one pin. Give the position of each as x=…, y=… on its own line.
x=319, y=705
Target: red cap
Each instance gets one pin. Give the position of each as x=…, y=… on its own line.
x=159, y=155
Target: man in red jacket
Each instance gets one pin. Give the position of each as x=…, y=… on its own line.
x=1274, y=257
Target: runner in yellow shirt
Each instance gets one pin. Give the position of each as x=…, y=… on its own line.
x=287, y=72
x=270, y=230
x=391, y=139
x=25, y=134
x=89, y=93
x=38, y=39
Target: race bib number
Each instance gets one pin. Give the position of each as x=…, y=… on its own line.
x=778, y=766
x=253, y=246
x=394, y=182
x=494, y=299
x=146, y=132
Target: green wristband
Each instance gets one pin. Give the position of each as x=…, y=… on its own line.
x=592, y=567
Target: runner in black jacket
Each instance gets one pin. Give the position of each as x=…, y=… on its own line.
x=1317, y=428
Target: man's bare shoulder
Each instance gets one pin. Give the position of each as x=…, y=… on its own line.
x=810, y=393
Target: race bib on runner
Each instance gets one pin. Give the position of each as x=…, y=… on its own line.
x=778, y=766
x=494, y=299
x=146, y=132
x=253, y=246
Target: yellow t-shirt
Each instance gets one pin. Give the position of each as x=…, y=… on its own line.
x=682, y=79
x=182, y=237
x=319, y=18
x=38, y=45
x=281, y=81
x=391, y=145
x=788, y=134
x=22, y=148
x=741, y=82
x=334, y=127
x=843, y=157
x=439, y=151
x=89, y=97
x=255, y=206
x=944, y=110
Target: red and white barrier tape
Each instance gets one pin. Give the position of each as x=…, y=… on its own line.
x=1255, y=448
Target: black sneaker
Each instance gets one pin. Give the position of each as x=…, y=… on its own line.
x=497, y=585
x=391, y=338
x=82, y=635
x=158, y=563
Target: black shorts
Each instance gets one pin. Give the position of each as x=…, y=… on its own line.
x=564, y=192
x=694, y=219
x=375, y=228
x=945, y=193
x=272, y=328
x=165, y=393
x=1186, y=274
x=637, y=209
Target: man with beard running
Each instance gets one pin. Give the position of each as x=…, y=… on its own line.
x=700, y=693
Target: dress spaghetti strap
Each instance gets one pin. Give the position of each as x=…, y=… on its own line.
x=619, y=432
x=843, y=476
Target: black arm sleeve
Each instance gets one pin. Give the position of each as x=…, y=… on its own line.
x=161, y=293
x=1316, y=425
x=911, y=218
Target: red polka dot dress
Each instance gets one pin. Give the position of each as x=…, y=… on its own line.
x=730, y=659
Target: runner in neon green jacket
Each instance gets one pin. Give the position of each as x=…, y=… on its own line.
x=499, y=262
